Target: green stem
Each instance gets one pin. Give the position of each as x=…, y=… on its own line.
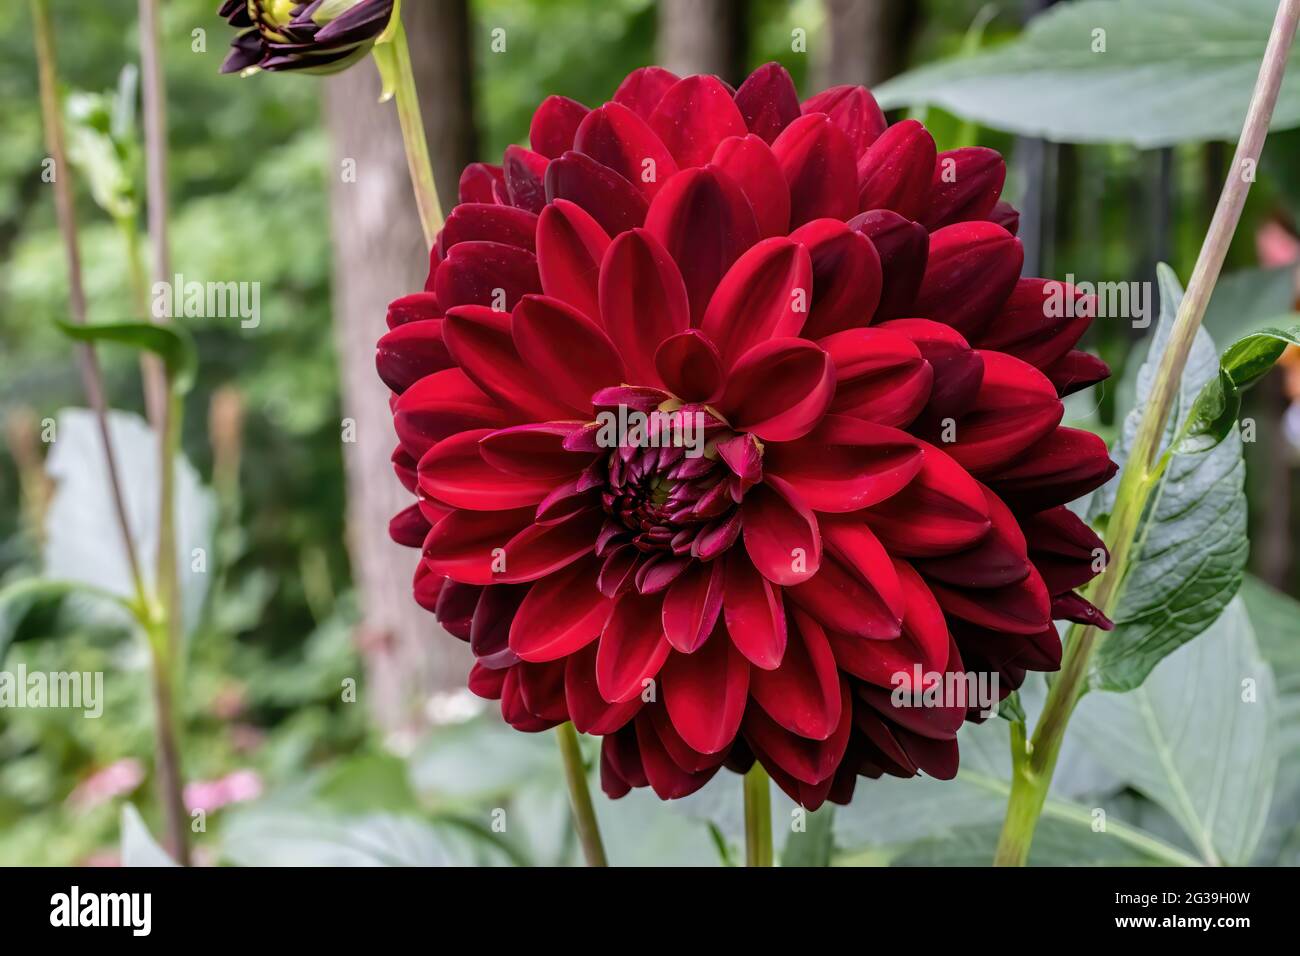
x=417, y=148
x=1145, y=465
x=758, y=817
x=584, y=814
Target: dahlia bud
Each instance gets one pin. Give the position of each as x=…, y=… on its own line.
x=321, y=36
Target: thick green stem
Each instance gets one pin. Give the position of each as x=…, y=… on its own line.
x=1144, y=467
x=417, y=148
x=584, y=814
x=758, y=817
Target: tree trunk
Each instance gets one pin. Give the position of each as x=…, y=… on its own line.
x=865, y=41
x=379, y=254
x=704, y=36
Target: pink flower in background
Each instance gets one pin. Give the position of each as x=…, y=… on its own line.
x=115, y=780
x=235, y=787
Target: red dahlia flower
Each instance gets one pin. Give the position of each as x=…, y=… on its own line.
x=877, y=392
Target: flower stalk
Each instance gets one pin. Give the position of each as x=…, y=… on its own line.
x=584, y=813
x=758, y=817
x=1034, y=761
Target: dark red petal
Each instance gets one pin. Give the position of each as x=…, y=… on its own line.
x=1006, y=216
x=667, y=777
x=610, y=199
x=591, y=713
x=768, y=101
x=817, y=161
x=570, y=247
x=765, y=295
x=525, y=176
x=971, y=270
x=554, y=125
x=616, y=137
x=846, y=277
x=941, y=511
x=539, y=550
x=781, y=534
x=441, y=405
x=896, y=170
x=561, y=614
x=642, y=301
x=642, y=90
x=903, y=247
x=620, y=764
x=480, y=222
x=481, y=342
x=1075, y=371
x=542, y=688
x=779, y=390
x=486, y=682
x=566, y=350
x=1040, y=322
x=803, y=694
x=705, y=222
x=489, y=274
x=1063, y=466
x=751, y=163
x=753, y=612
x=967, y=184
x=413, y=308
x=536, y=450
x=705, y=693
x=924, y=639
x=958, y=371
x=879, y=376
x=467, y=546
x=1015, y=407
x=479, y=181
x=1071, y=607
x=998, y=559
x=854, y=110
x=845, y=464
x=1067, y=553
x=856, y=592
x=1021, y=608
x=689, y=365
x=632, y=647
x=692, y=604
x=409, y=352
x=694, y=116
x=453, y=471
x=807, y=760
x=408, y=527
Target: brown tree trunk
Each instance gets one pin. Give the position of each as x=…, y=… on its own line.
x=379, y=254
x=865, y=42
x=704, y=36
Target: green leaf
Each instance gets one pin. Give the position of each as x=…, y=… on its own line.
x=1191, y=549
x=18, y=598
x=1172, y=71
x=1244, y=363
x=171, y=343
x=139, y=848
x=813, y=845
x=1198, y=738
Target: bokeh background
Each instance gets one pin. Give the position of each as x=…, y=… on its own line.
x=303, y=590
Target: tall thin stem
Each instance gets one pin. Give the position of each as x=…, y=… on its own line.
x=1142, y=470
x=584, y=813
x=417, y=147
x=758, y=817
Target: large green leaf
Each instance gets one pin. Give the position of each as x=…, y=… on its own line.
x=1192, y=543
x=18, y=598
x=1172, y=71
x=1198, y=737
x=171, y=343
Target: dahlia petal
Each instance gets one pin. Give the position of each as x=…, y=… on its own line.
x=807, y=760
x=1075, y=371
x=479, y=181
x=967, y=183
x=525, y=178
x=1040, y=322
x=632, y=647
x=618, y=571
x=566, y=350
x=903, y=247
x=539, y=550
x=611, y=200
x=591, y=713
x=481, y=222
x=668, y=779
x=998, y=559
x=817, y=161
x=753, y=166
x=453, y=471
x=696, y=114
x=803, y=694
x=438, y=406
x=766, y=294
x=921, y=717
x=884, y=735
x=1021, y=608
x=857, y=591
x=743, y=456
x=643, y=300
x=854, y=110
x=958, y=370
x=616, y=137
x=971, y=270
x=536, y=451
x=779, y=389
x=1067, y=553
x=1066, y=464
x=620, y=763
x=570, y=247
x=409, y=527
x=562, y=614
x=689, y=365
x=642, y=89
x=554, y=125
x=481, y=342
x=489, y=630
x=515, y=712
x=485, y=682
x=717, y=537
x=455, y=607
x=768, y=101
x=409, y=352
x=942, y=510
x=781, y=533
x=895, y=171
x=487, y=274
x=705, y=693
x=692, y=605
x=1071, y=607
x=846, y=277
x=753, y=612
x=704, y=221
x=657, y=573
x=413, y=308
x=466, y=545
x=404, y=466
x=1006, y=215
x=845, y=464
x=1015, y=407
x=880, y=376
x=541, y=687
